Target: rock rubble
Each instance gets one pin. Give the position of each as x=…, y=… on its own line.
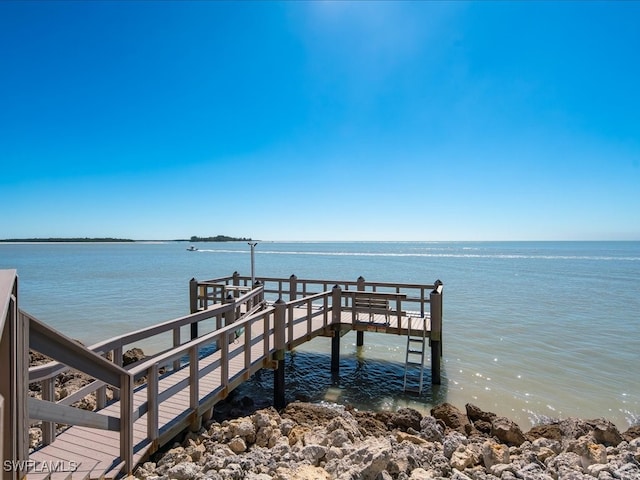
x=312, y=441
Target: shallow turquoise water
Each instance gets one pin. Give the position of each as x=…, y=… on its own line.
x=531, y=329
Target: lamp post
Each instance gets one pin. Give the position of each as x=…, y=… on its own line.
x=253, y=265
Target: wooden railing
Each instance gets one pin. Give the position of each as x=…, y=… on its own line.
x=113, y=348
x=13, y=380
x=267, y=326
x=415, y=296
x=52, y=343
x=236, y=306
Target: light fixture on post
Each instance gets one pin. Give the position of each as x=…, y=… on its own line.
x=253, y=265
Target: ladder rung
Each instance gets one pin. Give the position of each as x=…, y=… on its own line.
x=420, y=352
x=417, y=364
x=416, y=339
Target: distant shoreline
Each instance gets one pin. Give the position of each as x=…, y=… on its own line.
x=65, y=240
x=218, y=238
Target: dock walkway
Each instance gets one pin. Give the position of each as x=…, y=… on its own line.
x=250, y=332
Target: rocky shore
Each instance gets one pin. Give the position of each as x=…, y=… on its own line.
x=309, y=441
x=312, y=441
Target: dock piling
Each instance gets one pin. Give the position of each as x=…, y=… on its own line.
x=279, y=343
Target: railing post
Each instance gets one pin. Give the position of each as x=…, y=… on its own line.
x=236, y=279
x=193, y=305
x=360, y=333
x=193, y=295
x=48, y=428
x=336, y=304
x=259, y=298
x=152, y=403
x=279, y=344
x=230, y=315
x=435, y=338
x=293, y=287
x=336, y=317
x=126, y=422
x=176, y=343
x=1, y=425
x=117, y=359
x=14, y=352
x=194, y=388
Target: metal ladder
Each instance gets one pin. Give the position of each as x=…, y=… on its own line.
x=414, y=360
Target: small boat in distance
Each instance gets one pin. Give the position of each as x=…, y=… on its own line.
x=192, y=248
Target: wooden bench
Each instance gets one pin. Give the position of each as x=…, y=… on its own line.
x=371, y=304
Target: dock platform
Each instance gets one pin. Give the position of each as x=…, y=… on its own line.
x=254, y=326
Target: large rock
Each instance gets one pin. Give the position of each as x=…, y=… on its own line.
x=474, y=414
x=549, y=431
x=406, y=418
x=507, y=431
x=183, y=471
x=632, y=433
x=462, y=458
x=132, y=356
x=494, y=453
x=605, y=432
x=431, y=429
x=451, y=416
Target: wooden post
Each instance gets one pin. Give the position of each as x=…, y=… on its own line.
x=293, y=287
x=360, y=333
x=436, y=332
x=48, y=428
x=279, y=344
x=336, y=305
x=14, y=353
x=193, y=305
x=336, y=317
x=335, y=349
x=194, y=388
x=1, y=424
x=259, y=298
x=193, y=295
x=126, y=423
x=117, y=359
x=230, y=315
x=152, y=403
x=176, y=343
x=236, y=281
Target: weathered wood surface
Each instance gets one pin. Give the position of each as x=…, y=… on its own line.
x=248, y=333
x=100, y=448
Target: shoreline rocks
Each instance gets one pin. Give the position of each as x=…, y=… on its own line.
x=247, y=440
x=319, y=441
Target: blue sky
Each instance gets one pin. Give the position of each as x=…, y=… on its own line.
x=320, y=120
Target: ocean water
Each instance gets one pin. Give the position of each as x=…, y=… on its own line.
x=531, y=330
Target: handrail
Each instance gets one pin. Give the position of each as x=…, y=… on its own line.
x=13, y=424
x=56, y=345
x=274, y=329
x=51, y=369
x=90, y=361
x=7, y=282
x=149, y=367
x=140, y=369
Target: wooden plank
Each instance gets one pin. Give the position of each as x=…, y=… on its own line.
x=53, y=412
x=243, y=357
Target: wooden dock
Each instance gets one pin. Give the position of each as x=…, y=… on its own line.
x=254, y=326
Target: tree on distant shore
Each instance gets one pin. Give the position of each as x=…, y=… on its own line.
x=72, y=239
x=219, y=238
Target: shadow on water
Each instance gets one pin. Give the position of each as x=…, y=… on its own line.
x=363, y=383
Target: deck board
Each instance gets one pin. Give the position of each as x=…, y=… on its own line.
x=100, y=449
